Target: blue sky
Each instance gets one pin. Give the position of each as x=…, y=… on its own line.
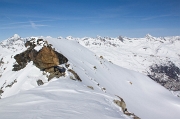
x=80, y=18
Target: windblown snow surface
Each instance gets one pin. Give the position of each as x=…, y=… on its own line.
x=63, y=98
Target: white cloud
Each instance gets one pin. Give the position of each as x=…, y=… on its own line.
x=34, y=25
x=29, y=24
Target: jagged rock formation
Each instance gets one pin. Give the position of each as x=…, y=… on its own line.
x=22, y=59
x=120, y=38
x=45, y=58
x=168, y=75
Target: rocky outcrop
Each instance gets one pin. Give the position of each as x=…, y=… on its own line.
x=120, y=38
x=75, y=75
x=40, y=82
x=61, y=58
x=121, y=103
x=56, y=74
x=22, y=59
x=11, y=84
x=45, y=58
x=168, y=75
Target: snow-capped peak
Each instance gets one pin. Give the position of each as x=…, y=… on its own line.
x=16, y=36
x=69, y=38
x=13, y=43
x=148, y=36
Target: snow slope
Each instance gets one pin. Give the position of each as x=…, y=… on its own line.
x=144, y=97
x=60, y=99
x=142, y=55
x=64, y=98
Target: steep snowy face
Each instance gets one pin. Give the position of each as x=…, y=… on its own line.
x=140, y=54
x=141, y=94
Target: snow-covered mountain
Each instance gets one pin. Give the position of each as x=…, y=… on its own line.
x=144, y=55
x=135, y=53
x=29, y=92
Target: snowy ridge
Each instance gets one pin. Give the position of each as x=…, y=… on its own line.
x=65, y=98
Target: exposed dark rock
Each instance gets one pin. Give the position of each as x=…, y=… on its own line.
x=103, y=89
x=121, y=103
x=90, y=87
x=67, y=65
x=39, y=40
x=12, y=83
x=75, y=75
x=46, y=58
x=33, y=55
x=62, y=58
x=40, y=82
x=120, y=38
x=56, y=74
x=60, y=69
x=28, y=43
x=43, y=59
x=50, y=70
x=17, y=67
x=94, y=67
x=23, y=58
x=1, y=61
x=101, y=57
x=1, y=91
x=168, y=75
